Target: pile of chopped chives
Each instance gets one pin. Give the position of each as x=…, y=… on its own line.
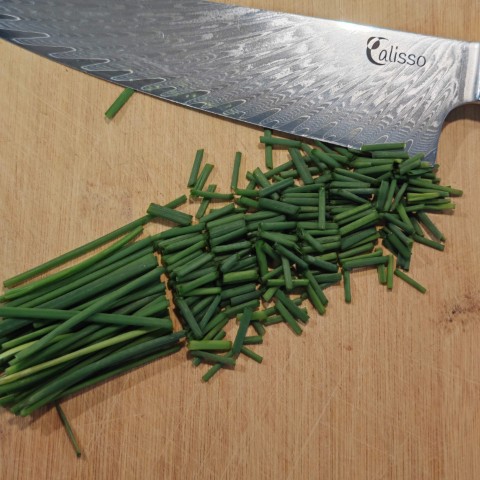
x=276, y=243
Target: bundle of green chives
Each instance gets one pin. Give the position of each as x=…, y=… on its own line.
x=293, y=231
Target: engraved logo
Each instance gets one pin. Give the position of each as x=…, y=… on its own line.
x=380, y=52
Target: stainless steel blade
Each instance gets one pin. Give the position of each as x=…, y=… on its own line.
x=339, y=82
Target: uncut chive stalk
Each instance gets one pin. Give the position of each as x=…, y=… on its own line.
x=195, y=168
x=50, y=314
x=19, y=291
x=68, y=429
x=119, y=103
x=124, y=368
x=96, y=307
x=45, y=394
x=75, y=253
x=11, y=377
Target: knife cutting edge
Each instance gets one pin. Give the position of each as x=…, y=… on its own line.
x=335, y=81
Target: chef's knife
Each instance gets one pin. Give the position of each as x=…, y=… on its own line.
x=335, y=81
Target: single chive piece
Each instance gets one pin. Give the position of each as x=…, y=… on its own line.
x=287, y=273
x=275, y=187
x=281, y=250
x=430, y=226
x=203, y=177
x=75, y=253
x=192, y=180
x=236, y=170
x=382, y=274
x=315, y=300
x=174, y=216
x=364, y=262
x=410, y=280
x=291, y=306
x=209, y=345
x=214, y=358
x=219, y=213
x=205, y=203
x=268, y=150
x=253, y=340
x=211, y=195
x=219, y=336
x=242, y=331
x=277, y=206
x=288, y=317
x=68, y=429
x=321, y=208
x=181, y=200
x=300, y=166
x=382, y=146
x=213, y=370
x=390, y=270
x=259, y=328
x=284, y=142
x=389, y=197
x=251, y=354
x=364, y=221
x=346, y=285
x=429, y=243
x=119, y=103
x=239, y=277
x=398, y=197
x=396, y=154
x=189, y=317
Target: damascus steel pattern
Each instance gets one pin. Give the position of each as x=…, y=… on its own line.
x=334, y=81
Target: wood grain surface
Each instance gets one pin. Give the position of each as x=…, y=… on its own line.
x=387, y=387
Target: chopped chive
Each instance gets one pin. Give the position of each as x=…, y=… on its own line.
x=382, y=146
x=165, y=213
x=195, y=168
x=239, y=277
x=268, y=150
x=284, y=142
x=429, y=243
x=205, y=203
x=251, y=354
x=390, y=269
x=203, y=177
x=242, y=331
x=382, y=274
x=430, y=226
x=68, y=429
x=211, y=195
x=288, y=317
x=119, y=103
x=209, y=345
x=346, y=286
x=409, y=280
x=181, y=200
x=236, y=170
x=189, y=317
x=214, y=358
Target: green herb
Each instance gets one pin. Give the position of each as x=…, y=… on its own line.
x=119, y=103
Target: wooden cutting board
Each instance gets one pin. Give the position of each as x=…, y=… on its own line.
x=387, y=387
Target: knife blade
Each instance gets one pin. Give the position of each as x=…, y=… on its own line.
x=335, y=81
